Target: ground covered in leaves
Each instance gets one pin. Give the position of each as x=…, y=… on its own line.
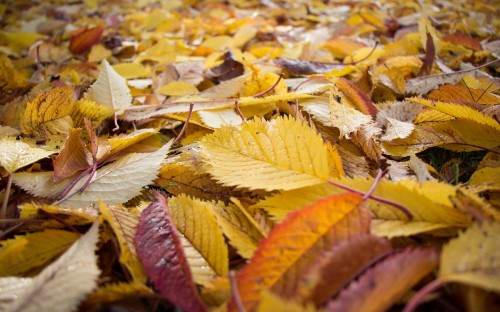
x=249, y=155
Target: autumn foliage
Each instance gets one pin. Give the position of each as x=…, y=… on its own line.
x=249, y=156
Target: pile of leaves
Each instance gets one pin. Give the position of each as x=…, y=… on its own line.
x=249, y=155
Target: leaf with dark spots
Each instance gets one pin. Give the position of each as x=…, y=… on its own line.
x=160, y=250
x=229, y=69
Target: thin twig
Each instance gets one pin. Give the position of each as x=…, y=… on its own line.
x=419, y=296
x=270, y=88
x=379, y=199
x=11, y=229
x=238, y=110
x=91, y=176
x=184, y=127
x=3, y=212
x=235, y=292
x=380, y=174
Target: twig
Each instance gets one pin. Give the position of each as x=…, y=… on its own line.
x=3, y=212
x=379, y=199
x=235, y=293
x=184, y=127
x=11, y=229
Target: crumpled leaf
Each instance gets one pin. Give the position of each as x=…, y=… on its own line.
x=62, y=285
x=385, y=283
x=159, y=248
x=281, y=154
x=16, y=154
x=292, y=246
x=110, y=89
x=473, y=258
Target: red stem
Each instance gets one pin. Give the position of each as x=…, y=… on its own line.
x=60, y=220
x=379, y=199
x=270, y=88
x=238, y=110
x=380, y=175
x=184, y=127
x=419, y=296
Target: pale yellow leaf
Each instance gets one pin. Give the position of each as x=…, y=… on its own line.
x=280, y=154
x=75, y=217
x=16, y=154
x=196, y=221
x=201, y=270
x=23, y=253
x=90, y=109
x=132, y=70
x=178, y=88
x=63, y=284
x=110, y=89
x=8, y=131
x=474, y=257
x=220, y=117
x=397, y=129
x=121, y=142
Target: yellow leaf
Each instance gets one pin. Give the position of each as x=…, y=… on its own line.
x=29, y=211
x=49, y=112
x=10, y=77
x=178, y=88
x=487, y=178
x=90, y=109
x=24, y=253
x=272, y=302
x=243, y=232
x=195, y=220
x=220, y=117
x=162, y=52
x=132, y=70
x=110, y=293
x=16, y=154
x=20, y=40
x=200, y=269
x=98, y=53
x=280, y=154
x=120, y=143
x=424, y=27
x=394, y=72
x=474, y=257
x=459, y=111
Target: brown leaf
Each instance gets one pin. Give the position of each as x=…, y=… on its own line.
x=72, y=157
x=84, y=39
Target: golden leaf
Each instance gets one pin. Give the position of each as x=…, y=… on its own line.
x=49, y=113
x=281, y=154
x=16, y=154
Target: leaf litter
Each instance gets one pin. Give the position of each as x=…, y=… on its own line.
x=249, y=155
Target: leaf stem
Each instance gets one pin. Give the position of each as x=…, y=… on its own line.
x=380, y=174
x=184, y=127
x=235, y=293
x=70, y=186
x=270, y=88
x=419, y=296
x=238, y=110
x=60, y=220
x=376, y=198
x=3, y=212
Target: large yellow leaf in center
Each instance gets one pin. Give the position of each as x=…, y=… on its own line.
x=282, y=154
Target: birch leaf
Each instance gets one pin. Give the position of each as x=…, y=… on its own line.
x=194, y=219
x=381, y=286
x=160, y=250
x=281, y=154
x=474, y=257
x=49, y=112
x=110, y=89
x=63, y=284
x=16, y=154
x=124, y=225
x=293, y=244
x=22, y=253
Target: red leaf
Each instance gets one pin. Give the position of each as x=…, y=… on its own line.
x=160, y=251
x=84, y=39
x=430, y=55
x=380, y=287
x=463, y=39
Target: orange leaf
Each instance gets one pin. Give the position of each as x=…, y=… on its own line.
x=463, y=40
x=294, y=244
x=379, y=288
x=463, y=95
x=84, y=39
x=357, y=97
x=72, y=157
